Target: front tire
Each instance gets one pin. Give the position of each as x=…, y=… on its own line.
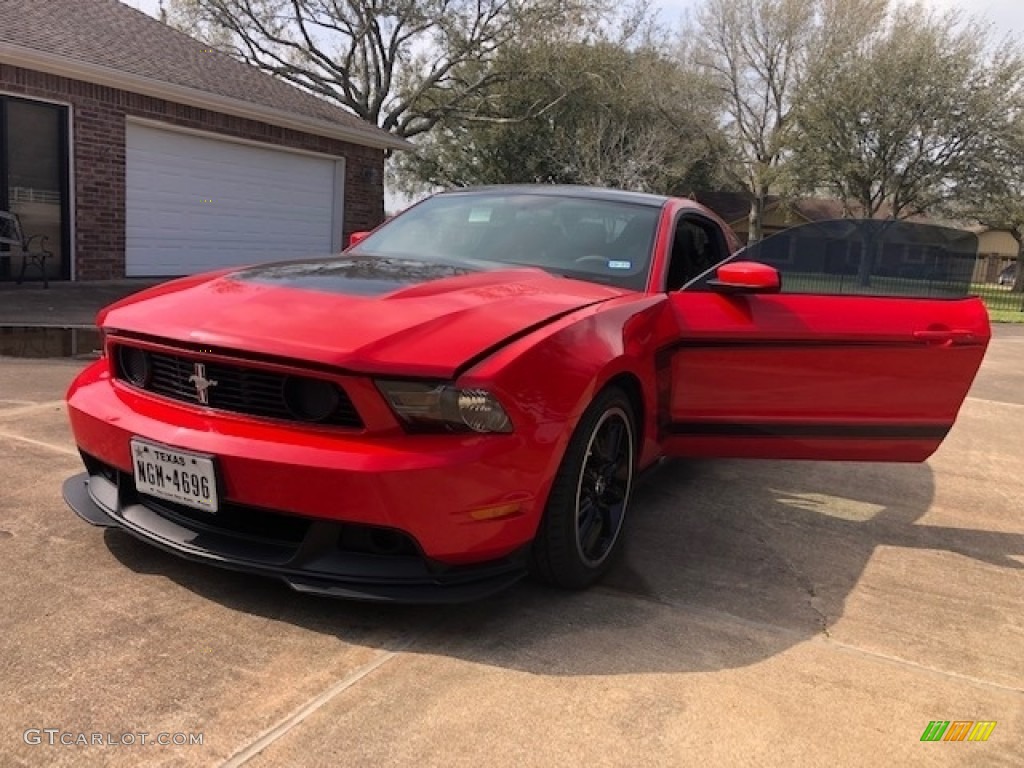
x=581, y=531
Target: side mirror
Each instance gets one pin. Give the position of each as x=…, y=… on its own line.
x=746, y=277
x=357, y=237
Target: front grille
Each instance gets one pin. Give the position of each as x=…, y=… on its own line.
x=239, y=388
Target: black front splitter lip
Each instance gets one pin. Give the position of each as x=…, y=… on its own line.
x=95, y=500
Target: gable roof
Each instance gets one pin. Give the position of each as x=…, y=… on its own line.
x=109, y=43
x=729, y=206
x=734, y=207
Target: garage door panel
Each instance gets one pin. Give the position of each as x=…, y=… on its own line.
x=196, y=203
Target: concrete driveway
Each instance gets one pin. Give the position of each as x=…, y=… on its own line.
x=766, y=614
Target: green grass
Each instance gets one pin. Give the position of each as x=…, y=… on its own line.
x=1003, y=306
x=849, y=285
x=1005, y=316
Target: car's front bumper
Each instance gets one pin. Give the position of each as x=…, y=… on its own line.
x=311, y=557
x=467, y=505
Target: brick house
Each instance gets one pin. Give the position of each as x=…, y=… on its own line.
x=997, y=250
x=138, y=151
x=778, y=215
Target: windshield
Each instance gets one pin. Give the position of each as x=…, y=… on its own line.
x=602, y=241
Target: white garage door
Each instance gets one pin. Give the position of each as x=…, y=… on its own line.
x=195, y=203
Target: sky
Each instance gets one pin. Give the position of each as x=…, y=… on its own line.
x=1006, y=16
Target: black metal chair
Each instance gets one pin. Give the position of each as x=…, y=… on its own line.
x=12, y=235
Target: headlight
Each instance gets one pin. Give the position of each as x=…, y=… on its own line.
x=431, y=407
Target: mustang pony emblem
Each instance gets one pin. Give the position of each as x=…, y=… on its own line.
x=202, y=384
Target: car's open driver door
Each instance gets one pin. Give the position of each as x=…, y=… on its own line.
x=848, y=361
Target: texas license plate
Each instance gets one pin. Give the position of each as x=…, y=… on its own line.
x=175, y=475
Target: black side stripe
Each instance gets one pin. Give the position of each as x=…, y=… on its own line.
x=726, y=343
x=820, y=430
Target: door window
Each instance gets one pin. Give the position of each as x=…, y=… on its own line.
x=873, y=257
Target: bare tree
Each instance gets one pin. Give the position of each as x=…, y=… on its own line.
x=759, y=53
x=615, y=154
x=403, y=65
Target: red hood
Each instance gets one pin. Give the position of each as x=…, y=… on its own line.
x=379, y=316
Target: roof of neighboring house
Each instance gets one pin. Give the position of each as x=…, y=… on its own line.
x=818, y=208
x=730, y=206
x=980, y=229
x=109, y=43
x=734, y=207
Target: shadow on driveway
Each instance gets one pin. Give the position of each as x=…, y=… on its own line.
x=727, y=564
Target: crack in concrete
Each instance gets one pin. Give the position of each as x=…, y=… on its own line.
x=802, y=580
x=292, y=721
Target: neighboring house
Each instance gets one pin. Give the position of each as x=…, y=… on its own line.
x=997, y=250
x=778, y=215
x=139, y=151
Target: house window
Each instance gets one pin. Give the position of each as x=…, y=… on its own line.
x=34, y=181
x=916, y=254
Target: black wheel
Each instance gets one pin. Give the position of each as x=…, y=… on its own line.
x=580, y=532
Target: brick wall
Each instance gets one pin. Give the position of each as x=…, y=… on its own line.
x=99, y=113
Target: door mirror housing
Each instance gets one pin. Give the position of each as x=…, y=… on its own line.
x=746, y=277
x=357, y=237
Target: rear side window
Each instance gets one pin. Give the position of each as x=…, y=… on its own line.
x=873, y=257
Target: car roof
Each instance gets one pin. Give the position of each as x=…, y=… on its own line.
x=567, y=190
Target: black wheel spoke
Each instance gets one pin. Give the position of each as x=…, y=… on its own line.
x=588, y=508
x=611, y=441
x=590, y=531
x=613, y=511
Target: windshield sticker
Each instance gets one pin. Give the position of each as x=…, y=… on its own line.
x=480, y=215
x=620, y=265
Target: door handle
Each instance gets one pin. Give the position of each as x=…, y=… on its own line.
x=947, y=336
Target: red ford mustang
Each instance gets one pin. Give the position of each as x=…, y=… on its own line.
x=468, y=393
